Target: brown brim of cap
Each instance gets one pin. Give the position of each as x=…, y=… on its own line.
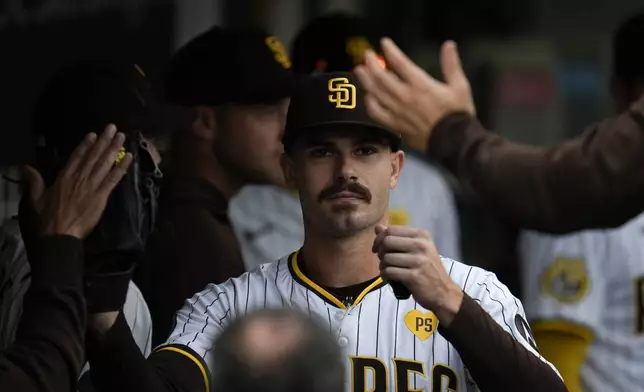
x=291, y=137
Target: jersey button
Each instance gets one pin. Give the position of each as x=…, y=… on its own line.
x=343, y=341
x=339, y=316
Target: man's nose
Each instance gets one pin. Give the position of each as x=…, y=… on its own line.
x=345, y=169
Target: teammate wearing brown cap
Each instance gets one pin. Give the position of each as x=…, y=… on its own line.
x=268, y=219
x=238, y=81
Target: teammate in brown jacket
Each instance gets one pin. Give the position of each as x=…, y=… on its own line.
x=48, y=352
x=594, y=180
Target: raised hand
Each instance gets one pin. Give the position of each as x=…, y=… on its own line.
x=75, y=202
x=405, y=99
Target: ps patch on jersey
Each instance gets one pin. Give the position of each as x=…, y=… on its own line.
x=566, y=280
x=421, y=324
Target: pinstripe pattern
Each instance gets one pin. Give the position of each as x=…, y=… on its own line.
x=614, y=261
x=374, y=327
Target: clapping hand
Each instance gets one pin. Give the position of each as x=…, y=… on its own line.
x=75, y=202
x=405, y=99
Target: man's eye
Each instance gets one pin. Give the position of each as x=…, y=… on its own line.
x=320, y=152
x=366, y=150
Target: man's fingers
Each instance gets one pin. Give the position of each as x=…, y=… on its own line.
x=77, y=157
x=381, y=233
x=451, y=65
x=399, y=260
x=399, y=63
x=97, y=150
x=108, y=160
x=115, y=175
x=379, y=113
x=33, y=183
x=406, y=231
x=395, y=244
x=386, y=85
x=396, y=274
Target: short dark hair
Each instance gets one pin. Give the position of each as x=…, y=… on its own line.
x=311, y=361
x=628, y=52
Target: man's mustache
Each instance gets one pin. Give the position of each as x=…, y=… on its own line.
x=352, y=187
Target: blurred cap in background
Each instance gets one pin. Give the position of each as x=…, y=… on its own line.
x=86, y=96
x=334, y=42
x=230, y=66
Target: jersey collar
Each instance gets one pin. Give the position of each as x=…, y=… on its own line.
x=302, y=279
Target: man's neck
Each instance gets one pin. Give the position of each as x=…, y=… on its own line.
x=333, y=262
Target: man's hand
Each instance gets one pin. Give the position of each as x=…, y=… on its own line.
x=405, y=99
x=76, y=201
x=408, y=256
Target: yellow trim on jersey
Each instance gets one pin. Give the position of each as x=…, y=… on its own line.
x=564, y=327
x=191, y=357
x=567, y=352
x=328, y=296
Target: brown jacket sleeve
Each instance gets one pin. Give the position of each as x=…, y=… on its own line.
x=48, y=352
x=496, y=361
x=595, y=180
x=118, y=365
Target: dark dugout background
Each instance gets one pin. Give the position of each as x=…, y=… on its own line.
x=41, y=36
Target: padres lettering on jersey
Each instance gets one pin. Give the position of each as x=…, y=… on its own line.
x=590, y=284
x=391, y=345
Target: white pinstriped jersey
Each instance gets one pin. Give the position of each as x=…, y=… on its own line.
x=594, y=280
x=268, y=220
x=390, y=344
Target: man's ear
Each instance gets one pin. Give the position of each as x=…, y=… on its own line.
x=288, y=169
x=204, y=126
x=397, y=163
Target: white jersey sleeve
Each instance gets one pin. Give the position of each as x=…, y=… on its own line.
x=267, y=221
x=562, y=277
x=497, y=300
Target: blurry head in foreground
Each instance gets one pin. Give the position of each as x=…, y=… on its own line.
x=627, y=83
x=277, y=351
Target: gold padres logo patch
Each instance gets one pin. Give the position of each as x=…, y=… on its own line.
x=344, y=93
x=276, y=46
x=423, y=325
x=566, y=280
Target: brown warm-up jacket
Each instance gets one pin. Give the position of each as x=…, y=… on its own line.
x=595, y=180
x=193, y=245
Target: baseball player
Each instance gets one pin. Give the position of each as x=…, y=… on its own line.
x=268, y=219
x=462, y=330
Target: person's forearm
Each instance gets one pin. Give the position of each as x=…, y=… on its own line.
x=118, y=365
x=47, y=354
x=592, y=181
x=496, y=361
